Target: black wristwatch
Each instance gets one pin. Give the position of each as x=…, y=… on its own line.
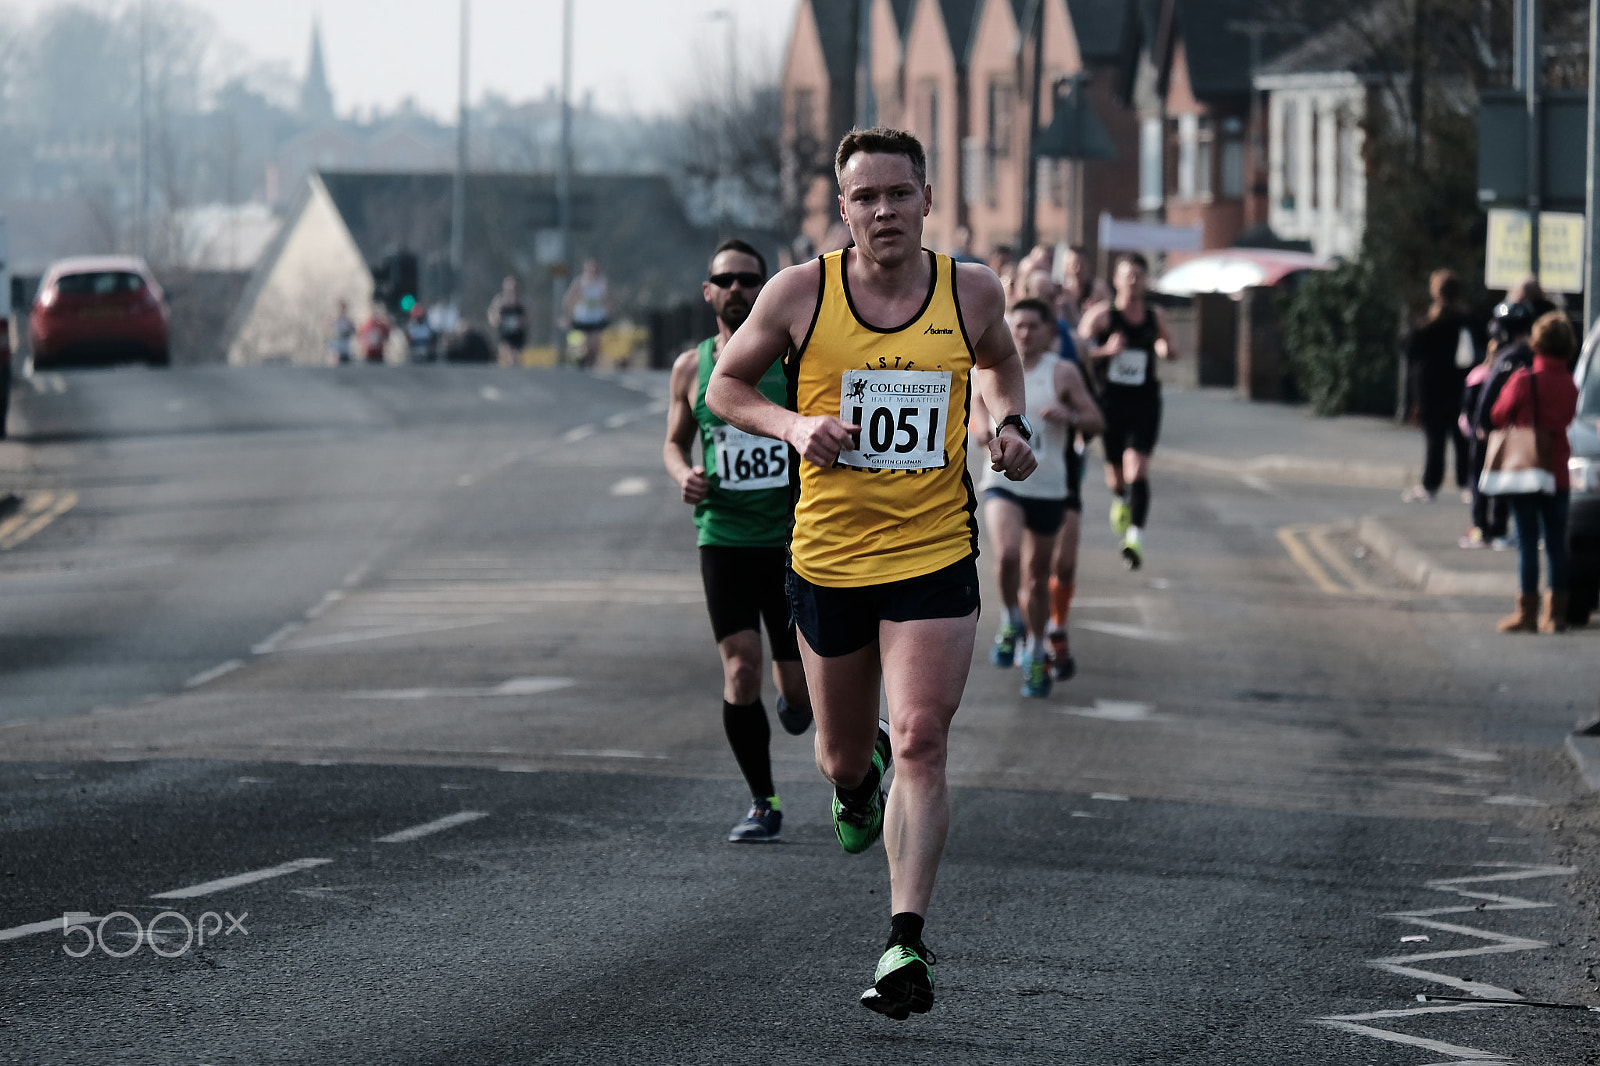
x=1020, y=421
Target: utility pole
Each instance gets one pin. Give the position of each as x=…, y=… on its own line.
x=1591, y=306
x=563, y=266
x=458, y=191
x=1029, y=230
x=142, y=180
x=725, y=150
x=1531, y=75
x=1255, y=29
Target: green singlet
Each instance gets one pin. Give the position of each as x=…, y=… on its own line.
x=748, y=505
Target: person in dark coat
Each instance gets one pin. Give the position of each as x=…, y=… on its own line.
x=1438, y=355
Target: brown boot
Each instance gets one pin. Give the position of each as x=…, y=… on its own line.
x=1555, y=613
x=1524, y=619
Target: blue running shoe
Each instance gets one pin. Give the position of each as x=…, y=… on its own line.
x=761, y=825
x=1036, y=678
x=1004, y=651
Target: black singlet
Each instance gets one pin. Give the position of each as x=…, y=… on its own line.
x=1135, y=338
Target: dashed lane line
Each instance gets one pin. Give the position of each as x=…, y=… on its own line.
x=37, y=512
x=438, y=825
x=205, y=677
x=206, y=888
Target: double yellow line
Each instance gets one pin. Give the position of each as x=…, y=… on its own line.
x=1315, y=554
x=38, y=510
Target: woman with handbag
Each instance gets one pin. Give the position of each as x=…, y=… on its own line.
x=1527, y=463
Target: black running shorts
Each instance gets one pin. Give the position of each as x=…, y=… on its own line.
x=1133, y=422
x=838, y=621
x=744, y=587
x=1040, y=517
x=1075, y=465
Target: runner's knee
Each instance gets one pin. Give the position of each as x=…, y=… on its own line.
x=920, y=743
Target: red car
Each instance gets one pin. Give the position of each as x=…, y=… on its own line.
x=97, y=310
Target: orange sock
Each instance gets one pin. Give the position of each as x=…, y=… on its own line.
x=1060, y=601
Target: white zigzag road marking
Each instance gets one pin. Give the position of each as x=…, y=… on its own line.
x=1500, y=943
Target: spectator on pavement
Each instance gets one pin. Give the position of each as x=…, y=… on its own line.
x=1546, y=398
x=1438, y=355
x=342, y=339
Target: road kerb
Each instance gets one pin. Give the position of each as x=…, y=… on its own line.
x=1419, y=568
x=1585, y=751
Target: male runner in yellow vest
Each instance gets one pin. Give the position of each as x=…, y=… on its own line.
x=887, y=340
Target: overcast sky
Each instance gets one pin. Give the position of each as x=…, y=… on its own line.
x=639, y=55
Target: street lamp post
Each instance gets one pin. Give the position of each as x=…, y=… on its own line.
x=561, y=269
x=458, y=191
x=725, y=150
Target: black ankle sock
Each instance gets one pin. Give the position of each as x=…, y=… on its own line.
x=905, y=928
x=863, y=792
x=1139, y=501
x=750, y=737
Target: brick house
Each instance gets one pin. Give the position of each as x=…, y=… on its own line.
x=954, y=72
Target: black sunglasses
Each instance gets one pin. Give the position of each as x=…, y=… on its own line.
x=748, y=278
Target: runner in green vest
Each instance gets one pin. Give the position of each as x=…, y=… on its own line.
x=740, y=493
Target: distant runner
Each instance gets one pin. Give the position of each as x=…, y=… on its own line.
x=741, y=508
x=588, y=305
x=889, y=342
x=1123, y=341
x=508, y=317
x=1025, y=517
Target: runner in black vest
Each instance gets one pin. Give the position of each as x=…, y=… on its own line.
x=1122, y=342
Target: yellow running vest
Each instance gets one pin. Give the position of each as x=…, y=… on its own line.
x=899, y=505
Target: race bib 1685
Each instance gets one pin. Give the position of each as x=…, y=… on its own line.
x=746, y=462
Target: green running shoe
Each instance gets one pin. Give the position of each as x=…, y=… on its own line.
x=902, y=984
x=1004, y=651
x=855, y=827
x=1121, y=516
x=1036, y=677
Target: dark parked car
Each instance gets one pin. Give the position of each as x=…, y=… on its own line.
x=97, y=310
x=1584, y=523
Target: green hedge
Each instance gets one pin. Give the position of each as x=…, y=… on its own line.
x=1339, y=334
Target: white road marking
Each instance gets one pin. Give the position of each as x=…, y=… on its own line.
x=449, y=821
x=1115, y=711
x=1499, y=943
x=330, y=598
x=360, y=635
x=270, y=645
x=517, y=686
x=205, y=677
x=1109, y=797
x=577, y=433
x=631, y=486
x=1514, y=801
x=1472, y=756
x=465, y=481
x=205, y=888
x=1118, y=629
x=618, y=421
x=490, y=393
x=609, y=753
x=53, y=924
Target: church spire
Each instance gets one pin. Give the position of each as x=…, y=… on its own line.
x=316, y=100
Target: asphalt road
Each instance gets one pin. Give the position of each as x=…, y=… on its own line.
x=282, y=617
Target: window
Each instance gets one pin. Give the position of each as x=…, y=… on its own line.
x=1001, y=109
x=1289, y=157
x=972, y=170
x=931, y=93
x=1204, y=158
x=1349, y=164
x=805, y=112
x=1188, y=151
x=1052, y=175
x=1231, y=180
x=1151, y=173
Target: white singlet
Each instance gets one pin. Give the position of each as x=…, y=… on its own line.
x=1049, y=481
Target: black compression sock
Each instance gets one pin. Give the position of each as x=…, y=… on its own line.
x=905, y=928
x=750, y=737
x=863, y=792
x=1139, y=499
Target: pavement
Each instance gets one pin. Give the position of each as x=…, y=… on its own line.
x=1216, y=433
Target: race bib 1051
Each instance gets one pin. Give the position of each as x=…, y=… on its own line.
x=746, y=462
x=903, y=415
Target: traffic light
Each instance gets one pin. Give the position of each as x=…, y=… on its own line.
x=394, y=282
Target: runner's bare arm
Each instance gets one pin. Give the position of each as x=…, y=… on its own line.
x=1164, y=348
x=997, y=370
x=1094, y=322
x=982, y=429
x=681, y=426
x=1074, y=394
x=779, y=320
